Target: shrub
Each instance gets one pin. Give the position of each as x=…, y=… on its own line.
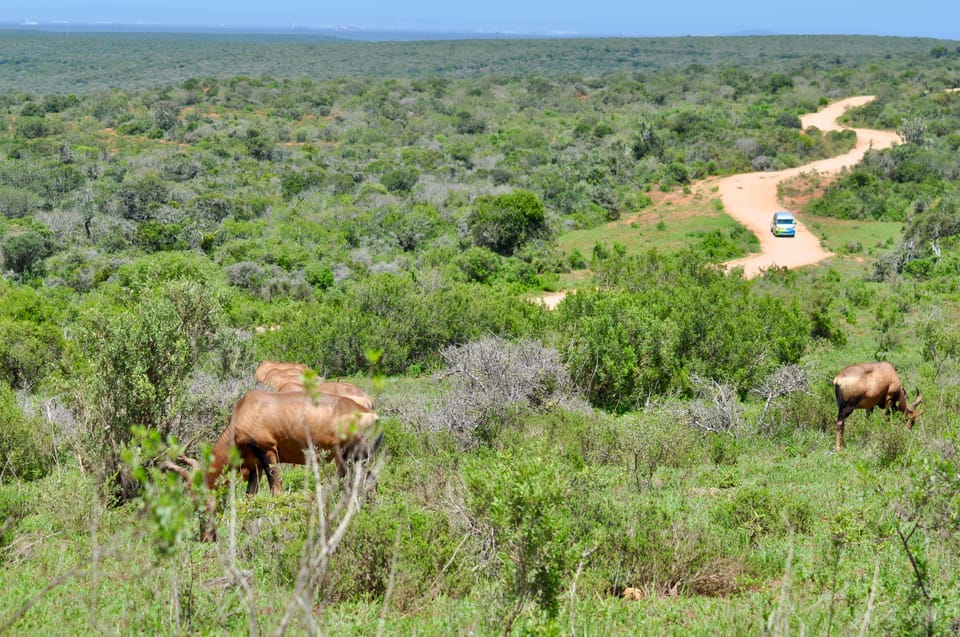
x=24, y=251
x=504, y=222
x=478, y=264
x=646, y=546
x=400, y=180
x=523, y=503
x=143, y=355
x=140, y=196
x=15, y=504
x=816, y=410
x=17, y=202
x=890, y=441
x=26, y=443
x=659, y=436
x=410, y=321
x=716, y=408
x=664, y=318
x=493, y=381
x=758, y=512
x=417, y=548
x=28, y=351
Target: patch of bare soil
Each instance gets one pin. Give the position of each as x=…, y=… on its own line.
x=675, y=204
x=797, y=192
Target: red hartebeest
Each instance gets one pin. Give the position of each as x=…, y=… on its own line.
x=869, y=385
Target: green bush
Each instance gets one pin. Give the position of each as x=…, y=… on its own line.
x=27, y=443
x=757, y=512
x=642, y=543
x=29, y=351
x=415, y=547
x=654, y=438
x=524, y=503
x=478, y=264
x=408, y=320
x=23, y=251
x=143, y=355
x=504, y=222
x=660, y=320
x=16, y=503
x=400, y=180
x=890, y=442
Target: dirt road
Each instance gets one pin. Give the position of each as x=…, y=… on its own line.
x=751, y=198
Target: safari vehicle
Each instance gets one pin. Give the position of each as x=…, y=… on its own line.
x=783, y=225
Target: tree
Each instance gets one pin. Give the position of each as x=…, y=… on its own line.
x=505, y=222
x=23, y=251
x=139, y=196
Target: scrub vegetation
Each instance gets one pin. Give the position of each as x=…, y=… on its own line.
x=654, y=456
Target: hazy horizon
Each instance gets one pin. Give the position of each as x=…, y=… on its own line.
x=924, y=18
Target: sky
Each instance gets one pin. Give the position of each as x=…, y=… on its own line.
x=923, y=18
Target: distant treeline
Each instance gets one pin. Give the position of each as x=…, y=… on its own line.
x=45, y=62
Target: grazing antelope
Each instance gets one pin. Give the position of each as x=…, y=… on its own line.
x=277, y=369
x=273, y=427
x=869, y=385
x=290, y=377
x=268, y=428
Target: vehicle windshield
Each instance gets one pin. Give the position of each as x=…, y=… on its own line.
x=785, y=222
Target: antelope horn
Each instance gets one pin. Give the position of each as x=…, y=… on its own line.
x=193, y=462
x=177, y=469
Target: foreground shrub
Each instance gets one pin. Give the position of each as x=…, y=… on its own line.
x=659, y=436
x=15, y=504
x=399, y=548
x=758, y=512
x=143, y=356
x=521, y=505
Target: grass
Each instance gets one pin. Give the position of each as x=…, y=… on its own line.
x=857, y=240
x=666, y=226
x=806, y=524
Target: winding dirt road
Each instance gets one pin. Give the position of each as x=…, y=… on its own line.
x=751, y=198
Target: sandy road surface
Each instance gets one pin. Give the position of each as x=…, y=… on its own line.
x=751, y=198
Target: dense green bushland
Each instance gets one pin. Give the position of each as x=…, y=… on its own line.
x=665, y=434
x=77, y=62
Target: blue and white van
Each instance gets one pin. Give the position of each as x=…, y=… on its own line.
x=783, y=225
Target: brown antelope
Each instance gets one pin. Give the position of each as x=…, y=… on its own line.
x=290, y=377
x=272, y=427
x=268, y=428
x=869, y=385
x=268, y=369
